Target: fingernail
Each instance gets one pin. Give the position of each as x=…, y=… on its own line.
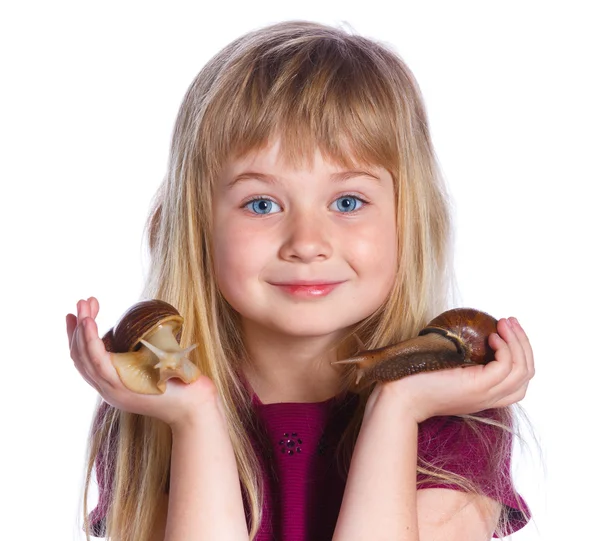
x=514, y=322
x=509, y=323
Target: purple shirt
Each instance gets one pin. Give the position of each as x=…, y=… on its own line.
x=303, y=489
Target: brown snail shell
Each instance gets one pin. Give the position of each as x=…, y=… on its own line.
x=457, y=337
x=145, y=350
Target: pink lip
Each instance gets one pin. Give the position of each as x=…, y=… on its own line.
x=308, y=290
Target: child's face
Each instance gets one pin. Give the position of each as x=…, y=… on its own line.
x=303, y=228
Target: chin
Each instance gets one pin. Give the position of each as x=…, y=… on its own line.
x=307, y=325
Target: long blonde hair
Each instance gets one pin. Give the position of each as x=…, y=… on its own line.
x=313, y=86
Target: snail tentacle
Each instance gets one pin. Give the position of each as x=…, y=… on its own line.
x=148, y=332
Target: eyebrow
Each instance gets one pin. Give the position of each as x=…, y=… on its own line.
x=271, y=179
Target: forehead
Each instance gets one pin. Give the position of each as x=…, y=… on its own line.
x=270, y=158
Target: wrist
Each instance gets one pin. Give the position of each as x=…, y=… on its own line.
x=389, y=397
x=207, y=412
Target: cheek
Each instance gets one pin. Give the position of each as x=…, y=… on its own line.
x=374, y=258
x=375, y=248
x=238, y=256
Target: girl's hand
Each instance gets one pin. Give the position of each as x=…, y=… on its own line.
x=177, y=406
x=470, y=389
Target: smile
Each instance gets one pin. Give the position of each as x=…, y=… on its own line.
x=308, y=291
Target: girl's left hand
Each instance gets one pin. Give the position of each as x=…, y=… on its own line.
x=470, y=389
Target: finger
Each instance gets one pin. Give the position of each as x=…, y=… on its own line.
x=514, y=346
x=76, y=356
x=507, y=332
x=71, y=321
x=97, y=354
x=94, y=307
x=514, y=355
x=83, y=309
x=497, y=370
x=522, y=369
x=82, y=349
x=525, y=344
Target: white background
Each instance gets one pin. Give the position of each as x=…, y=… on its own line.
x=90, y=92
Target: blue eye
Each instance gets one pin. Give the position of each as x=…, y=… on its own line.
x=350, y=201
x=262, y=205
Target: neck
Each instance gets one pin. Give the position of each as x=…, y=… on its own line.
x=291, y=369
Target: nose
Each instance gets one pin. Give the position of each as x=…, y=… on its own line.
x=306, y=238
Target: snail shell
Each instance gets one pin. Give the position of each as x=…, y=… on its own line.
x=469, y=329
x=457, y=337
x=145, y=350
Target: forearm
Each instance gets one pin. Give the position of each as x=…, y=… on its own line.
x=380, y=499
x=205, y=499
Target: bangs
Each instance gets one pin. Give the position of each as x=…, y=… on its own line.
x=324, y=91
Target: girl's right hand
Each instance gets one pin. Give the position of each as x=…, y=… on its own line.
x=178, y=406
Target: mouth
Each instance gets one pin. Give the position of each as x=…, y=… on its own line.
x=308, y=290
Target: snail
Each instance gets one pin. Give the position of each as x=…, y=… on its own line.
x=145, y=350
x=457, y=337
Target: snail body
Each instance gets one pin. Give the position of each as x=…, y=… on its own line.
x=145, y=350
x=457, y=337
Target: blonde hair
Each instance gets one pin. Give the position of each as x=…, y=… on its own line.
x=313, y=87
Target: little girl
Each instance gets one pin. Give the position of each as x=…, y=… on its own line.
x=303, y=213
